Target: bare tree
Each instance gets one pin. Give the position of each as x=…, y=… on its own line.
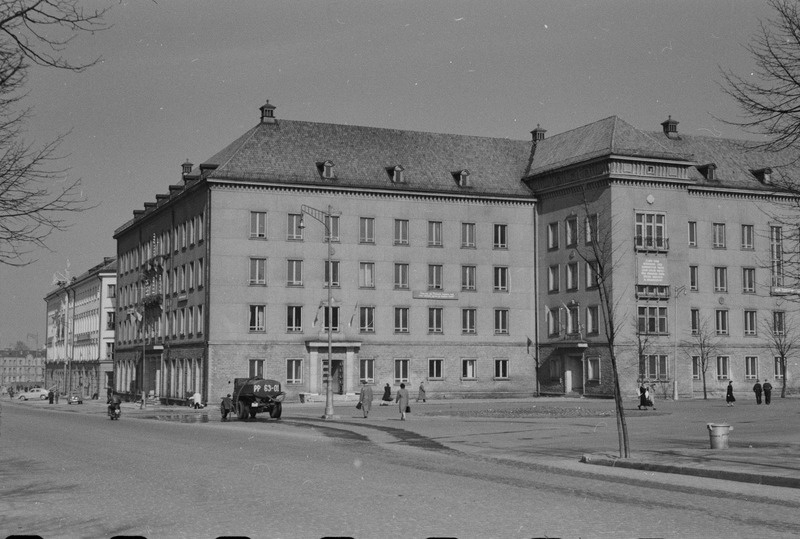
x=705, y=345
x=35, y=196
x=782, y=337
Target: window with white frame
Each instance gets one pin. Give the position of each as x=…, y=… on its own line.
x=593, y=369
x=720, y=279
x=592, y=320
x=694, y=316
x=552, y=278
x=294, y=273
x=750, y=367
x=721, y=321
x=468, y=235
x=401, y=370
x=469, y=369
x=500, y=237
x=200, y=319
x=366, y=274
x=553, y=322
x=718, y=240
x=435, y=368
x=200, y=224
x=750, y=323
x=696, y=367
x=723, y=371
x=294, y=371
x=401, y=232
x=257, y=317
x=778, y=370
x=366, y=230
x=469, y=321
x=435, y=272
x=650, y=231
x=573, y=320
x=366, y=370
x=571, y=231
x=748, y=280
x=654, y=367
x=468, y=278
x=332, y=273
x=501, y=321
x=401, y=276
x=331, y=228
x=330, y=319
x=748, y=237
x=294, y=231
x=652, y=320
x=401, y=320
x=258, y=271
x=692, y=234
x=592, y=274
x=572, y=276
x=294, y=319
x=501, y=369
x=778, y=323
x=435, y=315
x=552, y=236
x=694, y=278
x=366, y=319
x=500, y=279
x=256, y=369
x=776, y=255
x=199, y=273
x=434, y=233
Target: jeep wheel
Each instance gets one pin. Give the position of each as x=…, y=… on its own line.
x=275, y=413
x=241, y=410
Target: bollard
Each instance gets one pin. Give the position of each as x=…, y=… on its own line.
x=718, y=432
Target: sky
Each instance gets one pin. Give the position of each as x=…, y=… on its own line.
x=181, y=79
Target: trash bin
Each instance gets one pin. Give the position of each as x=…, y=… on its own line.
x=718, y=432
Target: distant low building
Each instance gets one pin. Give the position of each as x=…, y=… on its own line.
x=21, y=368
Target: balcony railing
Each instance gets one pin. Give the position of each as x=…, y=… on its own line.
x=652, y=243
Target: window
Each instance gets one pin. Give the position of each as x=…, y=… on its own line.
x=434, y=233
x=591, y=228
x=571, y=232
x=366, y=274
x=500, y=238
x=333, y=323
x=552, y=278
x=294, y=231
x=468, y=320
x=555, y=369
x=501, y=369
x=778, y=323
x=331, y=227
x=366, y=319
x=400, y=371
x=468, y=235
x=200, y=320
x=258, y=224
x=199, y=273
x=182, y=275
x=332, y=273
x=294, y=273
x=695, y=321
x=592, y=274
x=468, y=278
x=400, y=232
x=750, y=323
x=500, y=279
x=256, y=368
x=654, y=367
x=694, y=278
x=468, y=369
x=572, y=276
x=401, y=319
x=366, y=370
x=592, y=320
x=435, y=276
x=435, y=320
x=721, y=321
x=183, y=237
x=294, y=319
x=747, y=237
x=652, y=320
x=257, y=316
x=696, y=367
x=692, y=234
x=651, y=231
x=435, y=368
x=110, y=320
x=776, y=254
x=190, y=275
x=573, y=320
x=750, y=367
x=593, y=369
x=294, y=371
x=200, y=228
x=366, y=230
x=552, y=236
x=720, y=279
x=553, y=322
x=401, y=276
x=501, y=321
x=748, y=280
x=258, y=268
x=778, y=369
x=722, y=367
x=718, y=235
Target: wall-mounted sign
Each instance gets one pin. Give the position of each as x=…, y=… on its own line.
x=653, y=271
x=434, y=294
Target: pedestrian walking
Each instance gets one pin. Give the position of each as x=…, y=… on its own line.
x=50, y=396
x=365, y=399
x=421, y=393
x=757, y=391
x=402, y=400
x=767, y=391
x=729, y=398
x=644, y=397
x=226, y=407
x=387, y=395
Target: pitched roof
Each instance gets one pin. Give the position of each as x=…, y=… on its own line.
x=288, y=151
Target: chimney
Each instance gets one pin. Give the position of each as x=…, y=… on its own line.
x=186, y=168
x=670, y=127
x=267, y=113
x=538, y=133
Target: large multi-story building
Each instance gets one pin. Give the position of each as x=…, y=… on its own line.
x=470, y=263
x=80, y=332
x=20, y=369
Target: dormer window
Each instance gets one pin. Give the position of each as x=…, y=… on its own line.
x=462, y=178
x=709, y=171
x=764, y=175
x=396, y=174
x=326, y=170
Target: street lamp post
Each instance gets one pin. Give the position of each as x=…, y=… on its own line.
x=324, y=217
x=678, y=291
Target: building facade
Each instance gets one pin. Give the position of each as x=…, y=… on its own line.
x=21, y=369
x=81, y=321
x=476, y=265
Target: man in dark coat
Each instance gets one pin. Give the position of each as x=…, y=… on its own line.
x=365, y=398
x=226, y=407
x=757, y=391
x=767, y=391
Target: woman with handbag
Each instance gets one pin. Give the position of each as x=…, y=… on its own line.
x=402, y=400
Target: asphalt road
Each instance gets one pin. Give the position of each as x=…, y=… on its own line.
x=81, y=475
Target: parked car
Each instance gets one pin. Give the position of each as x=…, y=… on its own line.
x=75, y=399
x=33, y=393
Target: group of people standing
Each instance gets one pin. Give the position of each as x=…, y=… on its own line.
x=758, y=389
x=402, y=398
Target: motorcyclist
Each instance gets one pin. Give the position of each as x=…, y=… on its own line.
x=113, y=402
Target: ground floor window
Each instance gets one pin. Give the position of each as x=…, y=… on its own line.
x=400, y=370
x=778, y=368
x=468, y=369
x=294, y=371
x=435, y=369
x=366, y=369
x=722, y=368
x=593, y=369
x=696, y=367
x=256, y=368
x=750, y=367
x=555, y=369
x=654, y=367
x=501, y=369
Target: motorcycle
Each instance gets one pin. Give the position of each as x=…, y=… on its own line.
x=114, y=411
